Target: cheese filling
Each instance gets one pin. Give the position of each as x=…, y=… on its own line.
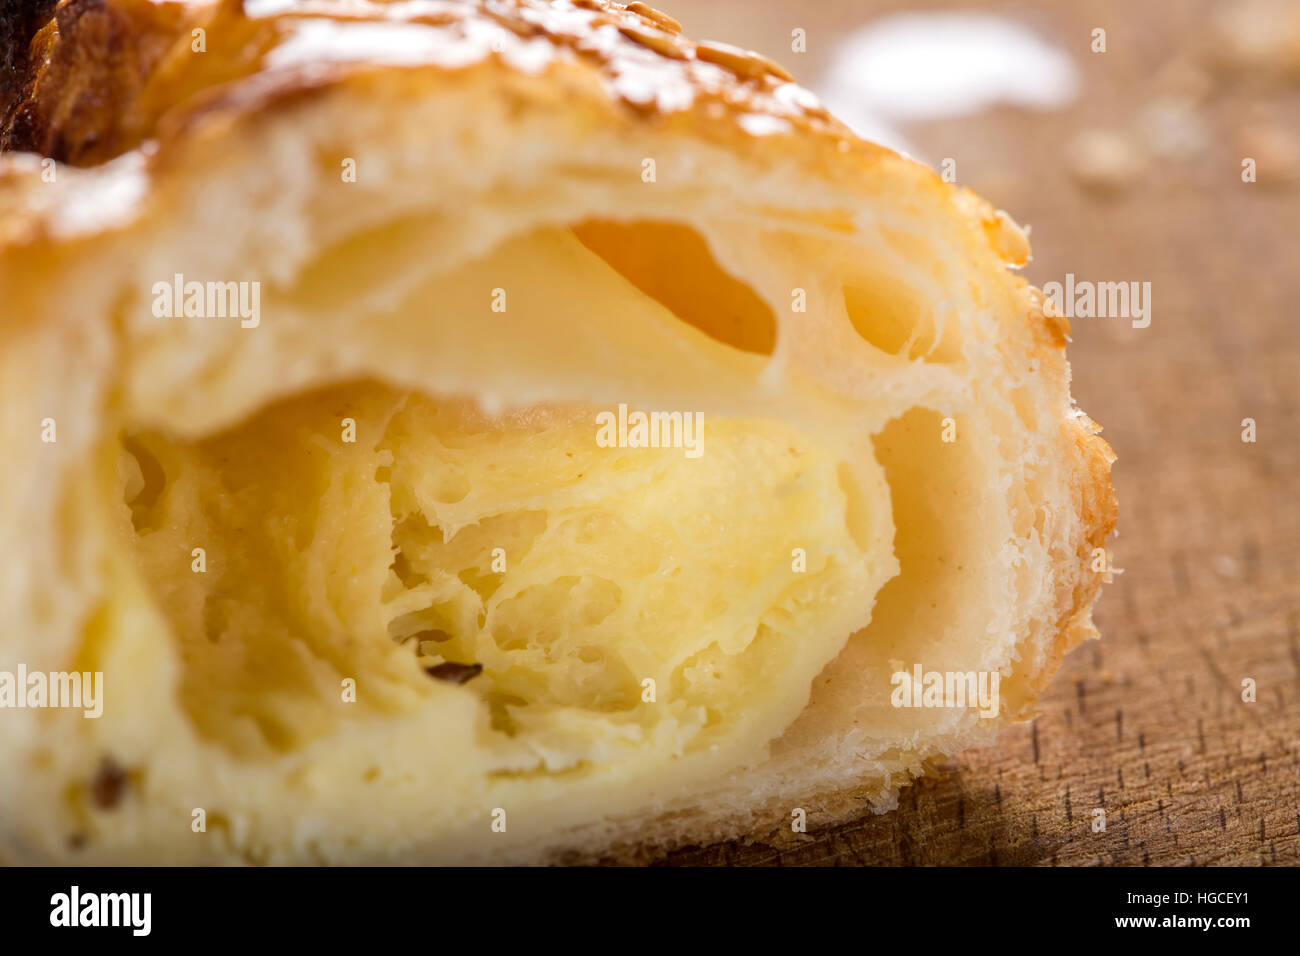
x=605, y=538
x=602, y=602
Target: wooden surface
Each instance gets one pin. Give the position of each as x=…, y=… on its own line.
x=1147, y=723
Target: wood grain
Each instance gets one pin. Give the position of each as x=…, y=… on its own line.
x=1148, y=723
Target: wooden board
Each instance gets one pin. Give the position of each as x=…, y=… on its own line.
x=1148, y=723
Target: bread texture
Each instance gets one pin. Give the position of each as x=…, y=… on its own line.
x=312, y=316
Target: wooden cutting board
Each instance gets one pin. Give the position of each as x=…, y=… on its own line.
x=1147, y=724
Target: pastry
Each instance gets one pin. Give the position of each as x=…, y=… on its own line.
x=500, y=432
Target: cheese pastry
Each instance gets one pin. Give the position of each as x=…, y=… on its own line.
x=499, y=431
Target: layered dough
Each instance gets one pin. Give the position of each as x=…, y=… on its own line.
x=362, y=578
x=725, y=583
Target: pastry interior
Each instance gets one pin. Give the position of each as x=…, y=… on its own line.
x=363, y=580
x=642, y=617
x=352, y=531
x=427, y=592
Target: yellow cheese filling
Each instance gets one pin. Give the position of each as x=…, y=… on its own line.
x=604, y=603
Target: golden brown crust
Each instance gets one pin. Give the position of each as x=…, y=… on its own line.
x=83, y=67
x=111, y=75
x=116, y=68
